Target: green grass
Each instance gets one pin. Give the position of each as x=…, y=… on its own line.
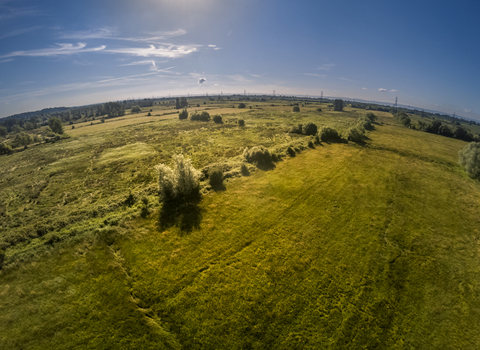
x=340, y=247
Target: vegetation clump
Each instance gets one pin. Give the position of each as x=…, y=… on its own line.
x=356, y=134
x=241, y=122
x=217, y=119
x=203, y=117
x=183, y=114
x=259, y=156
x=290, y=151
x=371, y=116
x=309, y=129
x=469, y=158
x=365, y=123
x=296, y=109
x=5, y=149
x=244, y=170
x=338, y=105
x=215, y=176
x=241, y=105
x=296, y=129
x=56, y=125
x=179, y=184
x=136, y=109
x=328, y=134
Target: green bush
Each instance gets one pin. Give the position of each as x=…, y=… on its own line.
x=371, y=116
x=310, y=144
x=204, y=116
x=469, y=158
x=241, y=122
x=2, y=258
x=5, y=149
x=318, y=110
x=296, y=129
x=180, y=183
x=290, y=151
x=215, y=176
x=217, y=119
x=329, y=134
x=183, y=114
x=136, y=109
x=259, y=156
x=244, y=170
x=317, y=140
x=309, y=129
x=241, y=105
x=365, y=123
x=356, y=134
x=55, y=125
x=296, y=109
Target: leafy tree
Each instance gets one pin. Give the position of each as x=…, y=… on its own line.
x=204, y=116
x=218, y=119
x=371, y=116
x=180, y=183
x=296, y=109
x=338, y=105
x=215, y=176
x=309, y=129
x=445, y=130
x=406, y=121
x=3, y=131
x=183, y=114
x=469, y=157
x=183, y=103
x=23, y=139
x=136, y=109
x=258, y=155
x=241, y=122
x=241, y=105
x=177, y=103
x=56, y=125
x=5, y=149
x=462, y=134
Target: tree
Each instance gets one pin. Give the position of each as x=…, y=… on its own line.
x=469, y=157
x=3, y=131
x=136, y=109
x=309, y=129
x=56, y=125
x=296, y=109
x=217, y=119
x=23, y=139
x=338, y=105
x=177, y=103
x=179, y=184
x=241, y=105
x=183, y=114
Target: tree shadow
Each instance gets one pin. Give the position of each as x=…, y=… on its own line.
x=219, y=187
x=185, y=214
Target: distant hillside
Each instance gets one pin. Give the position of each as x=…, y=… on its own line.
x=27, y=115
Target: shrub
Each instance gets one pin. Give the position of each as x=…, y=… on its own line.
x=310, y=144
x=317, y=139
x=56, y=125
x=469, y=157
x=136, y=109
x=338, y=105
x=215, y=176
x=3, y=131
x=296, y=109
x=329, y=134
x=365, y=123
x=241, y=105
x=217, y=119
x=204, y=116
x=445, y=130
x=5, y=149
x=356, y=134
x=244, y=170
x=149, y=114
x=23, y=139
x=179, y=183
x=371, y=116
x=2, y=258
x=318, y=110
x=296, y=129
x=290, y=151
x=258, y=155
x=241, y=122
x=462, y=134
x=145, y=211
x=309, y=129
x=183, y=114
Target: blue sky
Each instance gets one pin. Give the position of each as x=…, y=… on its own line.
x=68, y=53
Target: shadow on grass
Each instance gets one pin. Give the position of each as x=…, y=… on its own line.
x=266, y=166
x=186, y=215
x=219, y=188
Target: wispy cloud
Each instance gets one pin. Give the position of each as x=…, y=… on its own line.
x=326, y=66
x=364, y=88
x=60, y=50
x=393, y=90
x=171, y=51
x=468, y=110
x=101, y=33
x=239, y=78
x=315, y=75
x=9, y=12
x=346, y=79
x=7, y=60
x=19, y=32
x=382, y=90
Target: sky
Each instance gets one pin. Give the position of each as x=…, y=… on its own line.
x=72, y=53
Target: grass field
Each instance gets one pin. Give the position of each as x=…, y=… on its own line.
x=341, y=247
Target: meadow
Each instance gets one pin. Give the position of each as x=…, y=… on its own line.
x=344, y=246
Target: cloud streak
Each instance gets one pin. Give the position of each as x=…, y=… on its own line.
x=60, y=50
x=19, y=32
x=382, y=90
x=170, y=51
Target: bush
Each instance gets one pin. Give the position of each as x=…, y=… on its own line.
x=179, y=183
x=183, y=114
x=241, y=105
x=310, y=144
x=136, y=109
x=5, y=149
x=338, y=105
x=215, y=176
x=23, y=139
x=145, y=211
x=2, y=258
x=445, y=130
x=241, y=122
x=356, y=134
x=329, y=134
x=296, y=109
x=296, y=129
x=290, y=151
x=204, y=116
x=371, y=116
x=258, y=155
x=56, y=125
x=217, y=119
x=462, y=134
x=318, y=110
x=244, y=170
x=149, y=114
x=317, y=139
x=365, y=123
x=309, y=129
x=469, y=157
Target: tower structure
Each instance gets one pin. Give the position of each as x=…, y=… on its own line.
x=396, y=100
